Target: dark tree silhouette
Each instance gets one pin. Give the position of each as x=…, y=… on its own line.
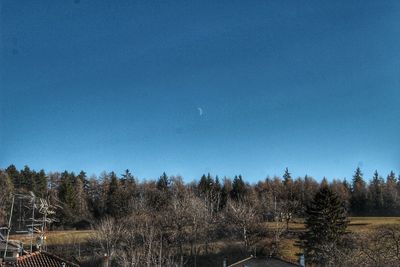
x=326, y=224
x=358, y=193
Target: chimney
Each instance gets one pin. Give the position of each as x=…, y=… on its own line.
x=105, y=260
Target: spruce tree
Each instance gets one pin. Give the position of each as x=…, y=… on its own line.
x=288, y=185
x=326, y=224
x=391, y=194
x=27, y=179
x=128, y=180
x=238, y=188
x=67, y=197
x=14, y=175
x=81, y=195
x=287, y=178
x=40, y=184
x=66, y=190
x=217, y=185
x=358, y=193
x=376, y=187
x=163, y=182
x=203, y=186
x=114, y=197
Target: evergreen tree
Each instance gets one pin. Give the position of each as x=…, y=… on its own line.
x=66, y=190
x=391, y=194
x=15, y=176
x=346, y=185
x=392, y=177
x=128, y=179
x=310, y=189
x=376, y=187
x=210, y=180
x=202, y=186
x=359, y=193
x=40, y=184
x=398, y=185
x=82, y=176
x=326, y=224
x=206, y=184
x=217, y=189
x=163, y=182
x=114, y=204
x=238, y=188
x=324, y=182
x=27, y=179
x=287, y=178
x=81, y=199
x=160, y=199
x=128, y=192
x=226, y=188
x=67, y=197
x=217, y=184
x=288, y=185
x=95, y=200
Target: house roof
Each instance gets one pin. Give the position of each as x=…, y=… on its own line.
x=40, y=259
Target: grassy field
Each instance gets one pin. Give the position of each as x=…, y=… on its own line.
x=59, y=237
x=289, y=250
x=365, y=224
x=357, y=224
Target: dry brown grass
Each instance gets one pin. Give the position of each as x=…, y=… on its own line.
x=357, y=224
x=366, y=224
x=58, y=237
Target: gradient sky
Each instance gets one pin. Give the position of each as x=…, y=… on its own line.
x=109, y=85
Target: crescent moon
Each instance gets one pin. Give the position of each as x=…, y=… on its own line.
x=200, y=111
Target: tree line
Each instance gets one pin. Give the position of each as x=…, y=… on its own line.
x=167, y=222
x=91, y=198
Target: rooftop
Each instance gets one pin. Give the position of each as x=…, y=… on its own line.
x=40, y=259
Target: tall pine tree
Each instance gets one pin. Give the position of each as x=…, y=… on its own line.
x=376, y=188
x=238, y=188
x=288, y=185
x=326, y=224
x=391, y=194
x=114, y=204
x=358, y=193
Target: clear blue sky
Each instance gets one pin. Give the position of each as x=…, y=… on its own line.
x=109, y=85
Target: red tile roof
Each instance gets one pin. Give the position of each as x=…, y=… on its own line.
x=40, y=259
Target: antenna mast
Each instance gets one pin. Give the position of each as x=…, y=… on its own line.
x=9, y=225
x=33, y=218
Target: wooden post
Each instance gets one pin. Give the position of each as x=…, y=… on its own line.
x=105, y=260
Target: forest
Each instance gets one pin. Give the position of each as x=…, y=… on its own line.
x=170, y=222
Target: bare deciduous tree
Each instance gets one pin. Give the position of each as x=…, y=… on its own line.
x=107, y=236
x=245, y=222
x=381, y=247
x=6, y=189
